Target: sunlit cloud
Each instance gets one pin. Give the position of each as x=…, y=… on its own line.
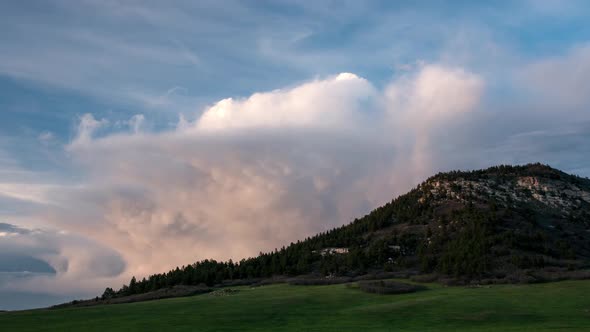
x=249, y=174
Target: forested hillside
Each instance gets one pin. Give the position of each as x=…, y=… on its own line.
x=503, y=224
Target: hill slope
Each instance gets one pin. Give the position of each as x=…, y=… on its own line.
x=503, y=224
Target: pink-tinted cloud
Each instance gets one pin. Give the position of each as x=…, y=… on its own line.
x=250, y=174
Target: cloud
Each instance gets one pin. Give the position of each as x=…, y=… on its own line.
x=53, y=262
x=136, y=54
x=328, y=103
x=560, y=81
x=256, y=173
x=136, y=123
x=35, y=193
x=46, y=137
x=87, y=126
x=426, y=102
x=12, y=230
x=434, y=93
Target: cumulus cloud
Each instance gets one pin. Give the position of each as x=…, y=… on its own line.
x=248, y=175
x=256, y=173
x=330, y=103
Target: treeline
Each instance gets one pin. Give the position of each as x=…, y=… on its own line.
x=507, y=172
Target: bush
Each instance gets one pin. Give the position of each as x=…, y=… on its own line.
x=388, y=287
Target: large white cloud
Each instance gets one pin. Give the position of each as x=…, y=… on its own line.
x=251, y=174
x=332, y=103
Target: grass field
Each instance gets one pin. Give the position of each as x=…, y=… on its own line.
x=562, y=306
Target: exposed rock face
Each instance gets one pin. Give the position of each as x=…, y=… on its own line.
x=332, y=251
x=554, y=193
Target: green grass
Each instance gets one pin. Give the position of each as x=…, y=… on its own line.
x=562, y=306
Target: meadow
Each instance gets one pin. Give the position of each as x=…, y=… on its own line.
x=558, y=306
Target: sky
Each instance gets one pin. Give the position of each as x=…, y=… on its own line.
x=137, y=136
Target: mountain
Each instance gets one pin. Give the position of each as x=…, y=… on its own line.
x=504, y=224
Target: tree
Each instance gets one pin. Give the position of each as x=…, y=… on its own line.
x=109, y=293
x=132, y=286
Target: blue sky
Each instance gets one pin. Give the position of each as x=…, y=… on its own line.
x=116, y=117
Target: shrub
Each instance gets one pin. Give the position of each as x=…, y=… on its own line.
x=388, y=287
